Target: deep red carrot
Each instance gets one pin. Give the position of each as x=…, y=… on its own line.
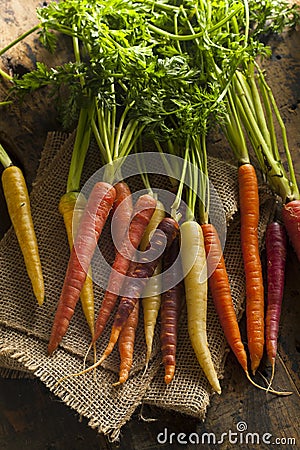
x=126, y=344
x=93, y=219
x=276, y=258
x=221, y=293
x=291, y=219
x=142, y=213
x=171, y=305
x=249, y=212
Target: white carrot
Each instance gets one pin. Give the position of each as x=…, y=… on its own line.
x=195, y=280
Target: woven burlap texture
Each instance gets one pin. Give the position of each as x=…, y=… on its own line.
x=25, y=326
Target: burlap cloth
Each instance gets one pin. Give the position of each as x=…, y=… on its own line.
x=25, y=327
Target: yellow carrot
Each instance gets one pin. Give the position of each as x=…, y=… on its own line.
x=18, y=204
x=193, y=258
x=152, y=294
x=71, y=207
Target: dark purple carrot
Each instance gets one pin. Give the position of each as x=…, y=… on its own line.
x=171, y=305
x=276, y=243
x=93, y=220
x=142, y=213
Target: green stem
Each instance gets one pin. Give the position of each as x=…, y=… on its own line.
x=5, y=75
x=119, y=131
x=258, y=107
x=5, y=103
x=126, y=149
x=176, y=204
x=97, y=136
x=170, y=170
x=190, y=37
x=269, y=119
x=273, y=169
x=81, y=145
x=284, y=137
x=234, y=132
x=113, y=118
x=4, y=158
x=18, y=39
x=104, y=134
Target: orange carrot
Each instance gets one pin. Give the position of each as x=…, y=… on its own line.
x=93, y=220
x=142, y=213
x=121, y=212
x=171, y=305
x=126, y=344
x=249, y=211
x=221, y=293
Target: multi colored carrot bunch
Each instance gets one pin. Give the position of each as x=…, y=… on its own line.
x=167, y=72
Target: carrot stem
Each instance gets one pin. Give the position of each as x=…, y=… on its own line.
x=4, y=158
x=19, y=39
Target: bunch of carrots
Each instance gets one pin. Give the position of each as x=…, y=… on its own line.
x=192, y=65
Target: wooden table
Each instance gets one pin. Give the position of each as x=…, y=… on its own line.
x=32, y=418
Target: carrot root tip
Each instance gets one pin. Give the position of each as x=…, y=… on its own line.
x=268, y=389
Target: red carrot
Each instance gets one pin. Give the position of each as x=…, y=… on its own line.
x=291, y=218
x=94, y=217
x=276, y=258
x=143, y=210
x=171, y=305
x=249, y=211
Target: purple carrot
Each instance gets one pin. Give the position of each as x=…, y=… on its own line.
x=276, y=249
x=171, y=304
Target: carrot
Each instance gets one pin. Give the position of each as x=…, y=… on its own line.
x=152, y=295
x=249, y=212
x=171, y=305
x=71, y=207
x=291, y=219
x=126, y=344
x=221, y=293
x=195, y=280
x=276, y=258
x=18, y=205
x=93, y=219
x=143, y=210
x=137, y=276
x=121, y=212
